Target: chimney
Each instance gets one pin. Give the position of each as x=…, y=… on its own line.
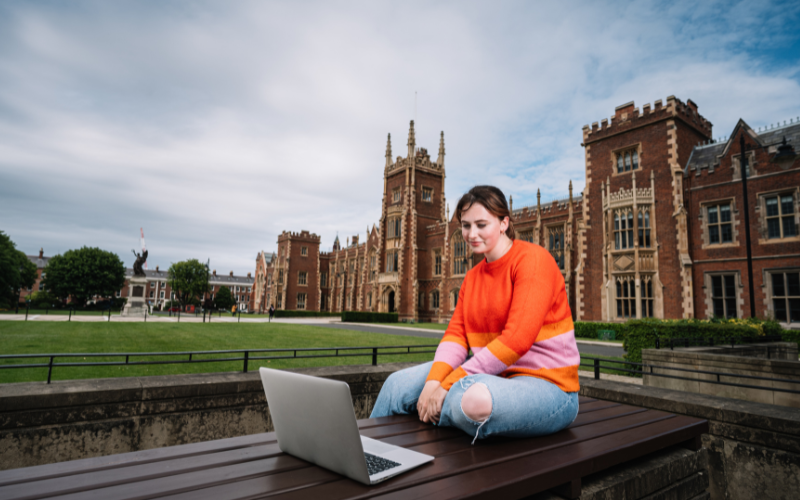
x=215, y=272
x=41, y=253
x=248, y=275
x=231, y=274
x=156, y=268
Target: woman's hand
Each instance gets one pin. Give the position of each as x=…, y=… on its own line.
x=429, y=405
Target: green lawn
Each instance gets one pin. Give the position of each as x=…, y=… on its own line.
x=80, y=337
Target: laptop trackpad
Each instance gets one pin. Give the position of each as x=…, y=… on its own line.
x=376, y=447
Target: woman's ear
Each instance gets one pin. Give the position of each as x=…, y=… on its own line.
x=503, y=224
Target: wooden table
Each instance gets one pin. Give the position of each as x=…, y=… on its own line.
x=603, y=435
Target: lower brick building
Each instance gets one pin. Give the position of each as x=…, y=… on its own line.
x=657, y=232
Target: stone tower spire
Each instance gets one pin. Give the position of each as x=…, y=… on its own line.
x=389, y=150
x=538, y=200
x=412, y=141
x=440, y=160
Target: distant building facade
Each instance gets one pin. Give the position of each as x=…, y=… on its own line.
x=159, y=290
x=657, y=232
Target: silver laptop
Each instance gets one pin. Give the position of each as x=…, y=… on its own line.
x=314, y=420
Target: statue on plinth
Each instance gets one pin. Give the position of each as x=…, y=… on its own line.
x=138, y=270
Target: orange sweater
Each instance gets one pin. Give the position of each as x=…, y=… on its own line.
x=514, y=315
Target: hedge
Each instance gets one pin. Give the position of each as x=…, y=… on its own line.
x=285, y=313
x=642, y=334
x=369, y=317
x=588, y=329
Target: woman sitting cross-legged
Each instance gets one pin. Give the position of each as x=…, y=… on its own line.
x=513, y=313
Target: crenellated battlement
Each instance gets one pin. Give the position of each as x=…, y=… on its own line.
x=302, y=235
x=627, y=116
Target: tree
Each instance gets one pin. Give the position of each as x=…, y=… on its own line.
x=224, y=298
x=16, y=271
x=85, y=273
x=189, y=280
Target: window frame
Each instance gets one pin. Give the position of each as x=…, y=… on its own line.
x=303, y=251
x=304, y=296
x=781, y=217
x=631, y=159
x=397, y=195
x=772, y=297
x=559, y=253
x=460, y=260
x=622, y=229
x=429, y=191
x=302, y=278
x=625, y=297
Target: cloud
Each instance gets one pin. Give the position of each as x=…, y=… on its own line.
x=216, y=125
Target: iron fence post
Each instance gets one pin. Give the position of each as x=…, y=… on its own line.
x=27, y=308
x=50, y=369
x=70, y=315
x=239, y=318
x=374, y=356
x=596, y=369
x=658, y=343
x=246, y=358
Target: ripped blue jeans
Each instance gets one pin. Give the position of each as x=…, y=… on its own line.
x=521, y=406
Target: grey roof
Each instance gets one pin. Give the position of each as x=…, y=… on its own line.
x=220, y=278
x=709, y=155
x=40, y=263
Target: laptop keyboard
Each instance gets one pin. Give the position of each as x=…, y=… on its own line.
x=376, y=464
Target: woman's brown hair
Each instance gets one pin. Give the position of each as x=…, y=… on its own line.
x=492, y=199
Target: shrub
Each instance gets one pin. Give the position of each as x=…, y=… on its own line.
x=588, y=329
x=369, y=317
x=642, y=334
x=283, y=313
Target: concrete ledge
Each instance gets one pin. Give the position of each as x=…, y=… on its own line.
x=673, y=473
x=753, y=447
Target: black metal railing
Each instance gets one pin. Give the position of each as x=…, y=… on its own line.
x=191, y=356
x=641, y=369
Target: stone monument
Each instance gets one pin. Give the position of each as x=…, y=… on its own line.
x=136, y=305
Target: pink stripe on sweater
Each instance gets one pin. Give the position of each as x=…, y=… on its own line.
x=557, y=352
x=451, y=353
x=483, y=362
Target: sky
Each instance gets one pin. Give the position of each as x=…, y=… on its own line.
x=216, y=125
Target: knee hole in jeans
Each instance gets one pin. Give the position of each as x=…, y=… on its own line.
x=476, y=403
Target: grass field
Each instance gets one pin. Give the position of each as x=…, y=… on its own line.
x=62, y=337
x=41, y=338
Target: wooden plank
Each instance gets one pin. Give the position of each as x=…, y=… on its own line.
x=93, y=480
x=595, y=405
x=156, y=488
x=455, y=457
x=97, y=464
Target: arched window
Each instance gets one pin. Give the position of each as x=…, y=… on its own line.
x=460, y=257
x=644, y=229
x=647, y=297
x=626, y=297
x=454, y=299
x=435, y=299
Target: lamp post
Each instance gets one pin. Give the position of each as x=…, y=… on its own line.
x=743, y=168
x=784, y=156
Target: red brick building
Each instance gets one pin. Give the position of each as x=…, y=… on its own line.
x=657, y=231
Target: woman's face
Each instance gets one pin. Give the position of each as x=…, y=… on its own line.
x=481, y=229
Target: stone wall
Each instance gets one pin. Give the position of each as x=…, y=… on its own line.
x=42, y=423
x=772, y=360
x=754, y=448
